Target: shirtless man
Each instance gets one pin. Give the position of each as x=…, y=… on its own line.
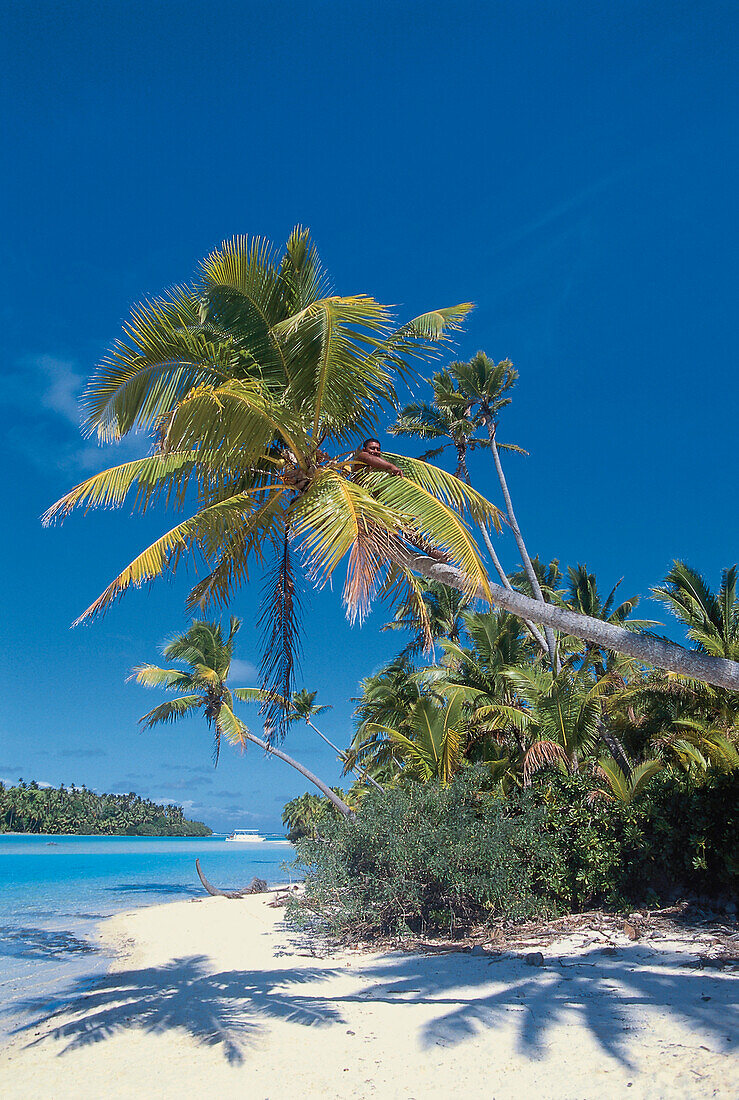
x=371, y=455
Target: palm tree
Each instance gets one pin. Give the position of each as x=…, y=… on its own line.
x=621, y=787
x=301, y=706
x=432, y=746
x=449, y=421
x=554, y=717
x=387, y=699
x=434, y=613
x=484, y=385
x=256, y=385
x=203, y=688
x=246, y=380
x=712, y=618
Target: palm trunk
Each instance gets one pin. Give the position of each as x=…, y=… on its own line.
x=615, y=748
x=658, y=652
x=536, y=634
x=526, y=560
x=358, y=771
x=325, y=790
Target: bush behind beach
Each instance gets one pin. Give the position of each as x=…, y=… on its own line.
x=428, y=859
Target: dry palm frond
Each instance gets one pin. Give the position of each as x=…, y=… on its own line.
x=540, y=755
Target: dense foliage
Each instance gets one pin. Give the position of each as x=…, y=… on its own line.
x=433, y=858
x=256, y=387
x=29, y=808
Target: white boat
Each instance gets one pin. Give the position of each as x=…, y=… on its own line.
x=246, y=836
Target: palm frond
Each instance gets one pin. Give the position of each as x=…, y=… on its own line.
x=156, y=476
x=280, y=626
x=171, y=678
x=166, y=351
x=260, y=532
x=205, y=530
x=449, y=489
x=326, y=520
x=171, y=710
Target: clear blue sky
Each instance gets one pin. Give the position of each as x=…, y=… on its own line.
x=569, y=167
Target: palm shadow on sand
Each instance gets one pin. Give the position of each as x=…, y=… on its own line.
x=226, y=1010
x=604, y=994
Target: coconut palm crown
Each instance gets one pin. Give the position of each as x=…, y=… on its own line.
x=255, y=386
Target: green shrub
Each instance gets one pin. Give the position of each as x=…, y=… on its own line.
x=425, y=858
x=678, y=836
x=429, y=859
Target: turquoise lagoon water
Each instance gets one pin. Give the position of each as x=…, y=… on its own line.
x=55, y=889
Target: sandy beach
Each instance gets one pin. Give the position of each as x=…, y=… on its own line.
x=218, y=997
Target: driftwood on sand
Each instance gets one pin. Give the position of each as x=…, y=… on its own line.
x=256, y=886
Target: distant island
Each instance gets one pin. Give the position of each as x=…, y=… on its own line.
x=29, y=808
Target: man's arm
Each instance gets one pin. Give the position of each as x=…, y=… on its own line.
x=378, y=463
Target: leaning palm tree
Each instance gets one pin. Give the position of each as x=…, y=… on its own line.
x=202, y=687
x=302, y=706
x=255, y=385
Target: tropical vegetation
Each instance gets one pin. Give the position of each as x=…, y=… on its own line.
x=30, y=808
x=255, y=386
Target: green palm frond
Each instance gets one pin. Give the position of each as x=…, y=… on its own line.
x=171, y=678
x=260, y=532
x=166, y=351
x=233, y=419
x=622, y=788
x=439, y=323
x=448, y=489
x=230, y=727
x=171, y=710
x=302, y=273
x=422, y=420
x=205, y=530
x=157, y=476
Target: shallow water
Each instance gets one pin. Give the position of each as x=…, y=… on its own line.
x=55, y=889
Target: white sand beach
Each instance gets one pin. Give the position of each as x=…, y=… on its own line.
x=218, y=998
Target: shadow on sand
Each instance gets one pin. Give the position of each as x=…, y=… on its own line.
x=42, y=943
x=226, y=1010
x=608, y=995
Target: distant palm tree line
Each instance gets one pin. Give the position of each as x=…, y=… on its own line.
x=29, y=808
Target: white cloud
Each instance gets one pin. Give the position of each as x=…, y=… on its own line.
x=62, y=386
x=243, y=673
x=46, y=390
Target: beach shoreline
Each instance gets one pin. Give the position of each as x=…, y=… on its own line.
x=221, y=995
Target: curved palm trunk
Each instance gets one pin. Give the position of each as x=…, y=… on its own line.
x=342, y=755
x=615, y=748
x=535, y=633
x=526, y=560
x=653, y=651
x=325, y=790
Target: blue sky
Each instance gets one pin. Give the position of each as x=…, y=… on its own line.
x=571, y=168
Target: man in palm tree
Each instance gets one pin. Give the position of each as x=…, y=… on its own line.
x=371, y=455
